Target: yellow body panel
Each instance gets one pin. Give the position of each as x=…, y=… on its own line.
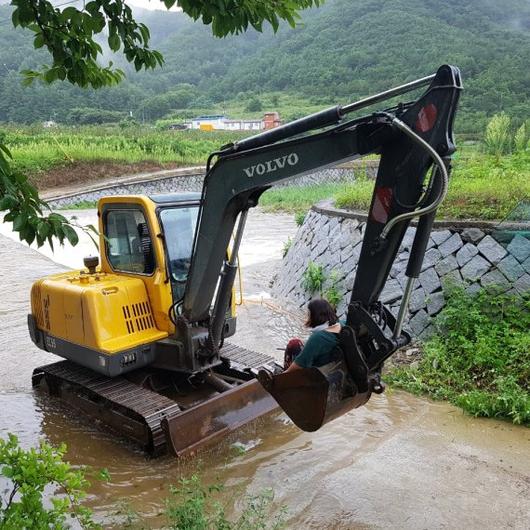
x=104, y=312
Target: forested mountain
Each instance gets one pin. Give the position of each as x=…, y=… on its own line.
x=343, y=50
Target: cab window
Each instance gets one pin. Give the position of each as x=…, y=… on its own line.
x=179, y=230
x=129, y=245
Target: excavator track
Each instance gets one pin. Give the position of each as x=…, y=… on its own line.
x=156, y=422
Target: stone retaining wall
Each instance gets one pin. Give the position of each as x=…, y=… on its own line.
x=188, y=180
x=468, y=255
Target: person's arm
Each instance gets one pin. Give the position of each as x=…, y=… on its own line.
x=293, y=366
x=305, y=358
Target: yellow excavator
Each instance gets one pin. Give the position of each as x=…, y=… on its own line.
x=143, y=328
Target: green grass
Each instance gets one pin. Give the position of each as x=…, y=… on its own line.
x=295, y=199
x=481, y=187
x=37, y=149
x=480, y=357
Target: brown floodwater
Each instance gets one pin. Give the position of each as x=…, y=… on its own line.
x=400, y=462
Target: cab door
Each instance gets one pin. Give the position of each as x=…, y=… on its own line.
x=131, y=245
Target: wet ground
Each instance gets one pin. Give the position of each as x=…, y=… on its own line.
x=400, y=462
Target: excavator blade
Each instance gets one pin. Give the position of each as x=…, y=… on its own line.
x=214, y=419
x=312, y=397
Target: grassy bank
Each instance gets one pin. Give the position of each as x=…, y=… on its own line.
x=479, y=359
x=36, y=149
x=482, y=186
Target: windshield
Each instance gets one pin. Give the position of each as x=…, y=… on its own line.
x=179, y=230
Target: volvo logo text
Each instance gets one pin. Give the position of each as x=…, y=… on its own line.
x=272, y=165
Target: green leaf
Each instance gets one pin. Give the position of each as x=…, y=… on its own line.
x=114, y=42
x=71, y=235
x=19, y=222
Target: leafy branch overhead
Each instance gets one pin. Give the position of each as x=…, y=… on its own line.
x=70, y=33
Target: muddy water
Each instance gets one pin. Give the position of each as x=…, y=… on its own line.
x=399, y=462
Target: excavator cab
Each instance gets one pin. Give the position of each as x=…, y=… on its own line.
x=145, y=333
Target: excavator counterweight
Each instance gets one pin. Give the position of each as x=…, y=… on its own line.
x=144, y=331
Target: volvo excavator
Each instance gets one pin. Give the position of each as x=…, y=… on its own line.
x=143, y=328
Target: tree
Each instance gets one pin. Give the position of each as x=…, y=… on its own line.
x=254, y=105
x=70, y=35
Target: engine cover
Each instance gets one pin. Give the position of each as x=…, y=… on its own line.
x=102, y=321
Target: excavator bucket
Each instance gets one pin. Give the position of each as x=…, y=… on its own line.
x=312, y=397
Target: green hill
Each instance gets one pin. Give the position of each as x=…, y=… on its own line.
x=343, y=50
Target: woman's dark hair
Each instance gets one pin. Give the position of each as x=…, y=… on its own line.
x=320, y=312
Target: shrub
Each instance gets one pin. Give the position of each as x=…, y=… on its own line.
x=520, y=139
x=497, y=138
x=313, y=278
x=480, y=357
x=28, y=473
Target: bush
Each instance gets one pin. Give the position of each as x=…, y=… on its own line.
x=480, y=357
x=194, y=506
x=497, y=138
x=313, y=278
x=254, y=105
x=28, y=473
x=520, y=139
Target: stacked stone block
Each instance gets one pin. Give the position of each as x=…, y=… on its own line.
x=467, y=256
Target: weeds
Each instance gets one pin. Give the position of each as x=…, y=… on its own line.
x=332, y=294
x=286, y=246
x=81, y=205
x=194, y=506
x=299, y=218
x=297, y=199
x=482, y=187
x=313, y=278
x=480, y=357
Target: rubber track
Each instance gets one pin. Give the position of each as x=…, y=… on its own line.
x=119, y=394
x=129, y=399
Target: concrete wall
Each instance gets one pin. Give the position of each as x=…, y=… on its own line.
x=191, y=180
x=465, y=254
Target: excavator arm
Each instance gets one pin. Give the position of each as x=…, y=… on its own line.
x=410, y=139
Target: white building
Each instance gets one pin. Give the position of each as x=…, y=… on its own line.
x=243, y=125
x=222, y=123
x=209, y=123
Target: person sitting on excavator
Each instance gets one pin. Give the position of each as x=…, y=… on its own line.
x=321, y=347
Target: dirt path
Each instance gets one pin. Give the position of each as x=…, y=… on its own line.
x=401, y=462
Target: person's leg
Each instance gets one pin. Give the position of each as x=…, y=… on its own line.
x=293, y=348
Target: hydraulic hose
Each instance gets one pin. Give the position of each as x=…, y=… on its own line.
x=443, y=175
